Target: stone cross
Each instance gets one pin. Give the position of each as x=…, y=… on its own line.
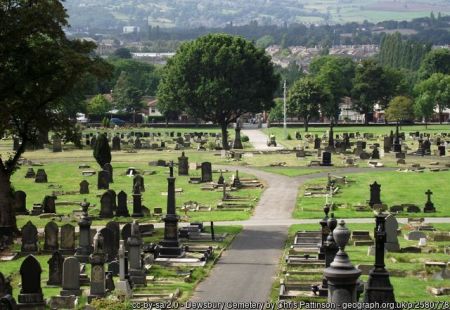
x=429, y=193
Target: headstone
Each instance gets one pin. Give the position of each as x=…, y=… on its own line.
x=84, y=244
x=387, y=145
x=108, y=244
x=71, y=277
x=137, y=202
x=136, y=271
x=429, y=205
x=108, y=167
x=97, y=260
x=137, y=144
x=126, y=233
x=183, y=165
x=29, y=238
x=103, y=180
x=115, y=143
x=51, y=231
x=31, y=292
x=49, y=204
x=317, y=142
x=206, y=172
x=400, y=155
x=326, y=159
x=415, y=235
x=364, y=155
x=138, y=180
x=84, y=187
x=67, y=242
x=391, y=225
x=55, y=269
x=412, y=209
x=441, y=149
x=114, y=198
x=123, y=286
x=375, y=193
x=57, y=146
x=30, y=174
x=375, y=153
x=41, y=176
x=122, y=209
x=20, y=203
x=237, y=138
x=106, y=205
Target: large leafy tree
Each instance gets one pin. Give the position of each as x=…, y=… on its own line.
x=305, y=98
x=435, y=92
x=39, y=69
x=126, y=96
x=99, y=105
x=218, y=78
x=436, y=61
x=335, y=74
x=373, y=84
x=401, y=108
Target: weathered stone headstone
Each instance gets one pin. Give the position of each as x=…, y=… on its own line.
x=115, y=143
x=31, y=292
x=429, y=205
x=375, y=193
x=391, y=244
x=375, y=153
x=51, y=231
x=114, y=198
x=20, y=203
x=106, y=205
x=71, y=277
x=29, y=238
x=183, y=165
x=108, y=167
x=136, y=272
x=84, y=244
x=317, y=142
x=137, y=202
x=97, y=260
x=138, y=180
x=67, y=242
x=57, y=146
x=49, y=204
x=122, y=209
x=41, y=176
x=126, y=233
x=237, y=138
x=108, y=244
x=30, y=174
x=123, y=286
x=415, y=235
x=326, y=159
x=103, y=180
x=115, y=229
x=206, y=172
x=55, y=269
x=84, y=187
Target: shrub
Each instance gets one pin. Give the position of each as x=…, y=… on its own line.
x=245, y=138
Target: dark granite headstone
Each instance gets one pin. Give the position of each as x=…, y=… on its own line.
x=115, y=143
x=115, y=229
x=20, y=203
x=183, y=165
x=55, y=269
x=326, y=159
x=71, y=277
x=103, y=180
x=429, y=205
x=51, y=231
x=41, y=176
x=49, y=204
x=206, y=172
x=138, y=180
x=108, y=167
x=30, y=174
x=106, y=205
x=375, y=194
x=84, y=187
x=122, y=209
x=31, y=292
x=29, y=238
x=67, y=241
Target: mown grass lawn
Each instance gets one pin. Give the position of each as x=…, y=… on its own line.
x=412, y=286
x=396, y=188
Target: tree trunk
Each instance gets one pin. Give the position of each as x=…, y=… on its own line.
x=8, y=223
x=440, y=115
x=306, y=123
x=225, y=136
x=366, y=118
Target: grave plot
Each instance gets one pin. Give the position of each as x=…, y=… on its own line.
x=411, y=256
x=407, y=195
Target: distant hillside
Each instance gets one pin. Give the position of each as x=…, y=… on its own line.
x=113, y=14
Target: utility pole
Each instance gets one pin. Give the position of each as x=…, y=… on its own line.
x=284, y=109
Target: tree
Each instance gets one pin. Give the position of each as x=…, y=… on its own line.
x=373, y=84
x=433, y=91
x=276, y=114
x=127, y=97
x=123, y=53
x=305, y=98
x=436, y=61
x=424, y=108
x=39, y=68
x=218, y=78
x=99, y=105
x=335, y=74
x=102, y=151
x=400, y=108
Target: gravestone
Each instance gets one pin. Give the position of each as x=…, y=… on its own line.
x=57, y=146
x=71, y=277
x=84, y=244
x=137, y=202
x=412, y=209
x=49, y=204
x=123, y=285
x=29, y=238
x=137, y=144
x=55, y=269
x=109, y=168
x=115, y=229
x=5, y=286
x=126, y=233
x=114, y=198
x=93, y=142
x=67, y=241
x=375, y=193
x=51, y=231
x=108, y=244
x=183, y=165
x=326, y=159
x=221, y=179
x=106, y=205
x=97, y=260
x=317, y=142
x=429, y=205
x=30, y=174
x=415, y=235
x=400, y=155
x=115, y=143
x=391, y=227
x=84, y=187
x=364, y=155
x=41, y=176
x=441, y=149
x=103, y=180
x=136, y=271
x=114, y=267
x=387, y=145
x=138, y=180
x=20, y=203
x=122, y=209
x=375, y=153
x=237, y=139
x=31, y=292
x=206, y=172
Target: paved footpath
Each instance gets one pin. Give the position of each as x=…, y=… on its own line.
x=259, y=140
x=247, y=270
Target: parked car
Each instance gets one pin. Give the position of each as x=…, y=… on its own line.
x=117, y=121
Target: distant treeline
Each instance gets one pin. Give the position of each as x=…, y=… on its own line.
x=431, y=30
